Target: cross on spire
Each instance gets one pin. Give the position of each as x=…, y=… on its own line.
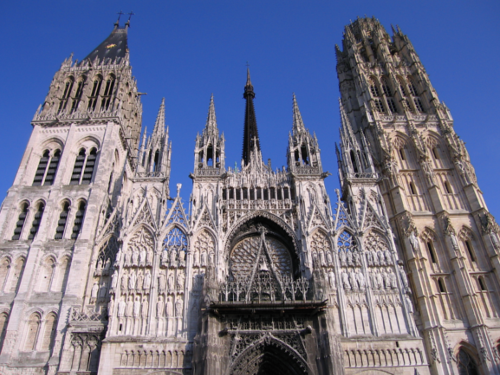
x=120, y=13
x=130, y=15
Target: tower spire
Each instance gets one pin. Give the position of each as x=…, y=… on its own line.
x=250, y=133
x=211, y=126
x=160, y=119
x=298, y=124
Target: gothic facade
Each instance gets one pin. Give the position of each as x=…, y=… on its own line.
x=102, y=270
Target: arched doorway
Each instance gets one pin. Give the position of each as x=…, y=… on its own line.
x=466, y=364
x=269, y=357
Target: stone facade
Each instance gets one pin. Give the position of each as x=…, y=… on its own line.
x=104, y=272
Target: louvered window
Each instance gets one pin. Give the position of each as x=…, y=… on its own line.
x=47, y=168
x=20, y=221
x=418, y=104
x=96, y=88
x=108, y=91
x=379, y=106
x=42, y=167
x=61, y=223
x=36, y=221
x=77, y=225
x=392, y=105
x=64, y=100
x=84, y=167
x=78, y=96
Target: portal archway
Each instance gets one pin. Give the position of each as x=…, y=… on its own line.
x=269, y=357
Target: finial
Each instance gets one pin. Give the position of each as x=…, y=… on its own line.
x=129, y=17
x=249, y=82
x=179, y=189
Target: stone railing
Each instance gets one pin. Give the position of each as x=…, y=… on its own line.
x=207, y=172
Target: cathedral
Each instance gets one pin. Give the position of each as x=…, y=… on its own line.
x=104, y=270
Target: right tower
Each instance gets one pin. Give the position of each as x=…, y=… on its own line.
x=444, y=232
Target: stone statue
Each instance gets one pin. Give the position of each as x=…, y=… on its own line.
x=126, y=258
x=130, y=308
x=131, y=281
x=142, y=256
x=124, y=282
x=409, y=304
x=178, y=307
x=385, y=278
x=329, y=258
x=203, y=258
x=373, y=278
x=121, y=308
x=162, y=281
x=343, y=258
x=171, y=286
x=196, y=258
x=369, y=258
x=137, y=307
x=147, y=280
x=145, y=308
x=388, y=256
x=149, y=258
x=182, y=258
x=454, y=241
x=361, y=279
x=135, y=258
x=111, y=304
x=95, y=289
x=107, y=264
x=380, y=280
x=353, y=280
x=170, y=307
x=345, y=280
x=349, y=258
x=322, y=258
x=114, y=280
x=332, y=280
x=118, y=257
x=102, y=290
x=211, y=258
x=404, y=278
x=392, y=279
x=140, y=280
x=375, y=258
x=180, y=281
x=160, y=307
x=173, y=262
x=356, y=259
x=413, y=241
x=381, y=258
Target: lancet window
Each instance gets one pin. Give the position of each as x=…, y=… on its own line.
x=20, y=221
x=66, y=94
x=77, y=224
x=175, y=248
x=78, y=94
x=108, y=92
x=49, y=332
x=32, y=334
x=18, y=272
x=466, y=364
x=47, y=168
x=37, y=219
x=84, y=167
x=96, y=88
x=61, y=223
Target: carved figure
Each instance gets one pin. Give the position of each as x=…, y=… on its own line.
x=392, y=279
x=160, y=307
x=329, y=258
x=124, y=282
x=349, y=258
x=130, y=307
x=170, y=307
x=380, y=280
x=332, y=280
x=135, y=258
x=413, y=241
x=173, y=262
x=162, y=281
x=107, y=265
x=171, y=286
x=178, y=307
x=95, y=289
x=137, y=307
x=404, y=278
x=114, y=280
x=140, y=281
x=182, y=258
x=131, y=281
x=211, y=258
x=369, y=258
x=388, y=257
x=118, y=257
x=361, y=279
x=343, y=258
x=353, y=280
x=180, y=281
x=322, y=259
x=356, y=259
x=145, y=308
x=121, y=308
x=345, y=281
x=142, y=256
x=381, y=258
x=196, y=258
x=147, y=280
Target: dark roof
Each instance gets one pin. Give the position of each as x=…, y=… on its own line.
x=114, y=46
x=250, y=132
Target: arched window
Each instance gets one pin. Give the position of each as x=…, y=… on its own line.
x=42, y=167
x=353, y=161
x=442, y=287
x=4, y=272
x=66, y=94
x=447, y=188
x=379, y=106
x=17, y=275
x=20, y=221
x=210, y=156
x=61, y=223
x=468, y=246
x=402, y=153
x=466, y=365
x=303, y=151
x=435, y=153
x=49, y=332
x=4, y=319
x=432, y=253
x=156, y=166
x=62, y=275
x=44, y=175
x=96, y=88
x=374, y=89
x=77, y=225
x=32, y=334
x=108, y=92
x=78, y=94
x=481, y=284
x=36, y=221
x=84, y=167
x=413, y=189
x=89, y=167
x=47, y=270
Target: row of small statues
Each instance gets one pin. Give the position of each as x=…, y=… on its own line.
x=137, y=308
x=135, y=257
x=378, y=279
x=173, y=258
x=349, y=258
x=138, y=281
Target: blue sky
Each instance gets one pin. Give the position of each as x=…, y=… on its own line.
x=186, y=50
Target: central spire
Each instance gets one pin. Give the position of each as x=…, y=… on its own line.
x=250, y=134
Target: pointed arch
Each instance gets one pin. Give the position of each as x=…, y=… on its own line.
x=33, y=328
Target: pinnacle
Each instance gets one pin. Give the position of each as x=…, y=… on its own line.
x=211, y=125
x=160, y=119
x=298, y=124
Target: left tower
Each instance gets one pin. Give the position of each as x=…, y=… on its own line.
x=72, y=177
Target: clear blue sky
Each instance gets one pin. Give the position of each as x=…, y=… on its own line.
x=186, y=50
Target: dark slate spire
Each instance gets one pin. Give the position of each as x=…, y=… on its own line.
x=115, y=46
x=250, y=133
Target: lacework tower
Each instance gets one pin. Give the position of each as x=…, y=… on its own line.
x=410, y=151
